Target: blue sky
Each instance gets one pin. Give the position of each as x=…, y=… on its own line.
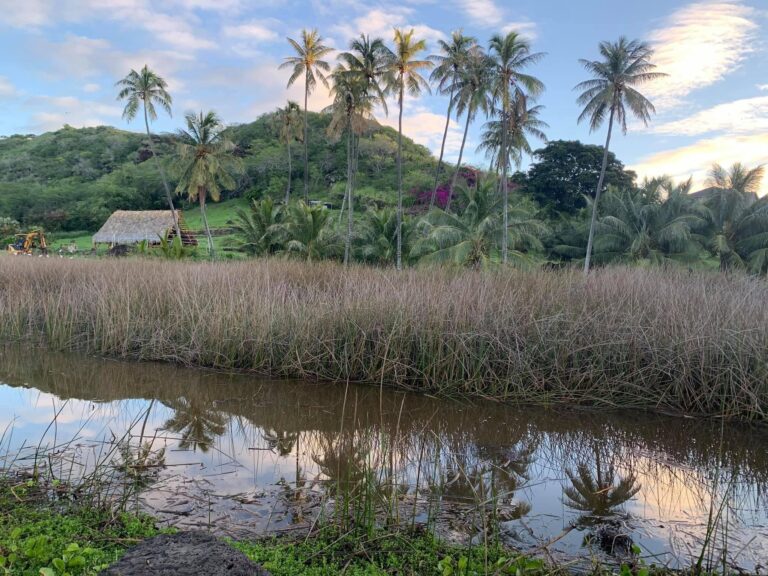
x=61, y=59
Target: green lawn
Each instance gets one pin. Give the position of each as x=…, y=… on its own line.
x=219, y=214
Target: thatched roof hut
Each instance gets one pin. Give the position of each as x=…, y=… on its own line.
x=132, y=227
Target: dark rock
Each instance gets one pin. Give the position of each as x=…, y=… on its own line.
x=184, y=554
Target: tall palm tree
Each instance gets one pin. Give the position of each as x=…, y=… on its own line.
x=405, y=74
x=612, y=89
x=350, y=110
x=378, y=238
x=206, y=162
x=308, y=62
x=511, y=55
x=358, y=87
x=448, y=66
x=523, y=123
x=307, y=231
x=738, y=219
x=472, y=87
x=288, y=126
x=146, y=89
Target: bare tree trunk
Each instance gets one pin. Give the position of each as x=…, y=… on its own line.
x=162, y=176
x=288, y=189
x=442, y=149
x=599, y=190
x=201, y=197
x=348, y=243
x=458, y=163
x=400, y=177
x=504, y=183
x=306, y=141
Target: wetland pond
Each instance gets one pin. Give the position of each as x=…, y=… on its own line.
x=245, y=457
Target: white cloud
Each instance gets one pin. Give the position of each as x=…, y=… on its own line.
x=749, y=115
x=696, y=159
x=381, y=22
x=91, y=87
x=426, y=128
x=762, y=87
x=7, y=89
x=55, y=111
x=254, y=31
x=525, y=28
x=698, y=46
x=483, y=13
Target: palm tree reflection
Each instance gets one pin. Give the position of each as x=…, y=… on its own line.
x=198, y=425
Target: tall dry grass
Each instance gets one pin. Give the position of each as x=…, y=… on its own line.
x=650, y=339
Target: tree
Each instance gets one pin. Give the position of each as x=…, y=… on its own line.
x=611, y=90
x=287, y=119
x=564, y=172
x=378, y=239
x=307, y=232
x=358, y=87
x=147, y=89
x=511, y=55
x=405, y=73
x=655, y=224
x=448, y=66
x=471, y=238
x=309, y=63
x=198, y=424
x=523, y=123
x=259, y=228
x=206, y=162
x=472, y=94
x=738, y=220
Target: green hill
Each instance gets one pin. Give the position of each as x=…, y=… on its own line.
x=73, y=179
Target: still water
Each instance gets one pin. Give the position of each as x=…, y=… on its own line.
x=244, y=456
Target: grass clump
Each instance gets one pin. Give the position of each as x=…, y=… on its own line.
x=52, y=537
x=647, y=339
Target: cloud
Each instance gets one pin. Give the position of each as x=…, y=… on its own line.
x=748, y=115
x=426, y=128
x=380, y=23
x=91, y=87
x=59, y=110
x=698, y=46
x=254, y=31
x=525, y=28
x=763, y=87
x=7, y=89
x=695, y=160
x=483, y=13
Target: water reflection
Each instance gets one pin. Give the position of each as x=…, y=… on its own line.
x=242, y=455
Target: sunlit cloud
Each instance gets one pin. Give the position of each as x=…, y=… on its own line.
x=7, y=89
x=426, y=128
x=52, y=112
x=698, y=46
x=695, y=160
x=381, y=22
x=763, y=87
x=525, y=28
x=91, y=87
x=483, y=13
x=253, y=31
x=748, y=115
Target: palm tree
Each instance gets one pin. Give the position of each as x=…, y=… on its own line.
x=738, y=220
x=357, y=88
x=259, y=227
x=449, y=64
x=405, y=73
x=378, y=237
x=308, y=62
x=511, y=55
x=472, y=94
x=641, y=226
x=523, y=123
x=598, y=494
x=206, y=162
x=145, y=89
x=611, y=90
x=471, y=238
x=288, y=125
x=308, y=235
x=198, y=425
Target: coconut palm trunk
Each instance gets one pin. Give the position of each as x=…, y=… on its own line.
x=504, y=182
x=348, y=242
x=458, y=163
x=400, y=177
x=201, y=195
x=306, y=141
x=442, y=151
x=599, y=190
x=162, y=175
x=290, y=171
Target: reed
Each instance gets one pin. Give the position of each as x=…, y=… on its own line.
x=648, y=339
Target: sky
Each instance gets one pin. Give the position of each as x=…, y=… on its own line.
x=61, y=59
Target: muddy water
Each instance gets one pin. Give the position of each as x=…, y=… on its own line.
x=246, y=456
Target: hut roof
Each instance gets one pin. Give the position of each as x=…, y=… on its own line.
x=132, y=227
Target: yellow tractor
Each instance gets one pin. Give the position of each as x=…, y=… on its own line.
x=28, y=243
